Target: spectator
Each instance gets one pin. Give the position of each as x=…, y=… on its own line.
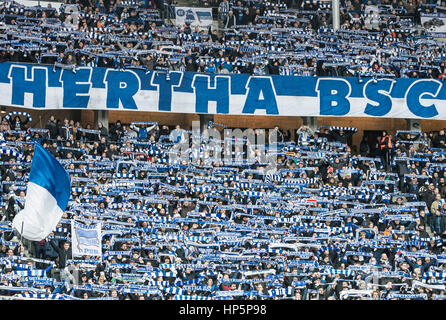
x=64, y=253
x=52, y=127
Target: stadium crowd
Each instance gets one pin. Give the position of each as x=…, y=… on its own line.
x=324, y=223
x=255, y=37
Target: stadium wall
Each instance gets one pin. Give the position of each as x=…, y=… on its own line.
x=288, y=123
x=40, y=117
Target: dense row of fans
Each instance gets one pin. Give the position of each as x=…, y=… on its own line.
x=255, y=37
x=304, y=219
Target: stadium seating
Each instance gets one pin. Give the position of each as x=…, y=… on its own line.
x=306, y=219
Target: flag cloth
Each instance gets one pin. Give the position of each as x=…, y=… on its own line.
x=47, y=196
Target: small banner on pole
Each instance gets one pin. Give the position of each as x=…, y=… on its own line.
x=86, y=239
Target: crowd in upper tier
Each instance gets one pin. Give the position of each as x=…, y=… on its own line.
x=300, y=218
x=255, y=37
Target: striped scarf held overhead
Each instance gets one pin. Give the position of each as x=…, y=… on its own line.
x=332, y=271
x=18, y=113
x=30, y=273
x=399, y=296
x=43, y=296
x=434, y=275
x=191, y=297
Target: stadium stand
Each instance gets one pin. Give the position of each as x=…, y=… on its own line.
x=324, y=224
x=257, y=37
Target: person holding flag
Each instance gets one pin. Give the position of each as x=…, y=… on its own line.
x=48, y=193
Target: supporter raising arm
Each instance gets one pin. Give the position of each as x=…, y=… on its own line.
x=419, y=264
x=142, y=130
x=64, y=253
x=304, y=133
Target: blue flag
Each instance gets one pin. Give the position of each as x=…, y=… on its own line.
x=47, y=197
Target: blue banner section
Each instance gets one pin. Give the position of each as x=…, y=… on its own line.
x=46, y=87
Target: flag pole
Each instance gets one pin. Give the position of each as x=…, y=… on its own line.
x=21, y=236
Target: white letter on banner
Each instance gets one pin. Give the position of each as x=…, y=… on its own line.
x=333, y=96
x=165, y=87
x=378, y=92
x=121, y=86
x=76, y=87
x=21, y=84
x=261, y=95
x=205, y=93
x=416, y=91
